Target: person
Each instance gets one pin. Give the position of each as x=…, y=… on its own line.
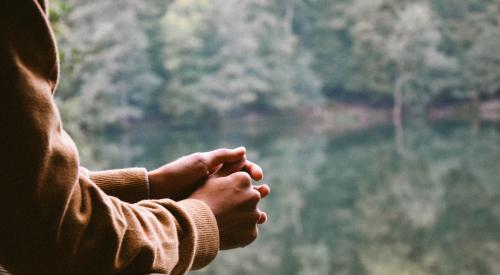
x=59, y=218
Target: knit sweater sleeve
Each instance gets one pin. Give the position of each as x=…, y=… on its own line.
x=54, y=218
x=130, y=184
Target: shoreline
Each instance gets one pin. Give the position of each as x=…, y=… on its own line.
x=341, y=118
x=332, y=118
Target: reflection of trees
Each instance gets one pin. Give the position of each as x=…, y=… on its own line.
x=434, y=213
x=291, y=162
x=352, y=204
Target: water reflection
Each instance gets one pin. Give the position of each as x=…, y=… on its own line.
x=351, y=204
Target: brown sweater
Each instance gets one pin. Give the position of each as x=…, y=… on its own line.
x=56, y=218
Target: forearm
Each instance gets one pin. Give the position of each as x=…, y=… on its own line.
x=130, y=184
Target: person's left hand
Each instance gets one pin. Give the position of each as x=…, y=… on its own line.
x=178, y=179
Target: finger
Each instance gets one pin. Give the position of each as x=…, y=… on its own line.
x=254, y=170
x=263, y=218
x=216, y=169
x=220, y=156
x=244, y=181
x=230, y=168
x=253, y=199
x=264, y=190
x=250, y=237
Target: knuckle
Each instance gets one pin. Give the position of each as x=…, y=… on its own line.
x=253, y=235
x=244, y=179
x=255, y=217
x=199, y=159
x=219, y=153
x=255, y=197
x=222, y=151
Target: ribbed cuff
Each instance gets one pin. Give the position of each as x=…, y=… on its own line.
x=130, y=185
x=207, y=241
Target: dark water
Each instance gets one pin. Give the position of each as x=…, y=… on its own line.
x=351, y=203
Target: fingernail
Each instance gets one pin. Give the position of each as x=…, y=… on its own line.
x=241, y=148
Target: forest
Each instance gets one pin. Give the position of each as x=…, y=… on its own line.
x=414, y=192
x=197, y=61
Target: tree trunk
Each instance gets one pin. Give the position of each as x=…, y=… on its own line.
x=397, y=114
x=289, y=14
x=475, y=110
x=122, y=118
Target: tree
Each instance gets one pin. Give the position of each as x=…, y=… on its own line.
x=106, y=76
x=466, y=28
x=226, y=56
x=482, y=63
x=200, y=60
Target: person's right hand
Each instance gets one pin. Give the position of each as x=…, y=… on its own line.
x=178, y=179
x=233, y=200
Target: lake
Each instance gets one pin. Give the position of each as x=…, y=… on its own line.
x=355, y=202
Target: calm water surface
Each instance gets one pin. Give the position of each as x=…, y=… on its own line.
x=351, y=203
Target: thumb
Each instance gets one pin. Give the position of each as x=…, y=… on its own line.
x=230, y=168
x=216, y=158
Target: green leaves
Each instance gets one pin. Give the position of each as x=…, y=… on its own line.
x=228, y=56
x=193, y=59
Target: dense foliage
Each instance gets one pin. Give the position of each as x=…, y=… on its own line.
x=422, y=201
x=200, y=59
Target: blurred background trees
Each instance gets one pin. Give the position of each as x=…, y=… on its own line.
x=227, y=56
x=189, y=60
x=345, y=199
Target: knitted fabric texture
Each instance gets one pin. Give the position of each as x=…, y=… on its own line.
x=58, y=218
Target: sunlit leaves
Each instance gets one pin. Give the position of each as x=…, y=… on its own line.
x=229, y=56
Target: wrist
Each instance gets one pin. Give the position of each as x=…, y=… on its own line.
x=152, y=177
x=159, y=183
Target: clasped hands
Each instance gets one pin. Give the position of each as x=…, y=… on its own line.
x=223, y=180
